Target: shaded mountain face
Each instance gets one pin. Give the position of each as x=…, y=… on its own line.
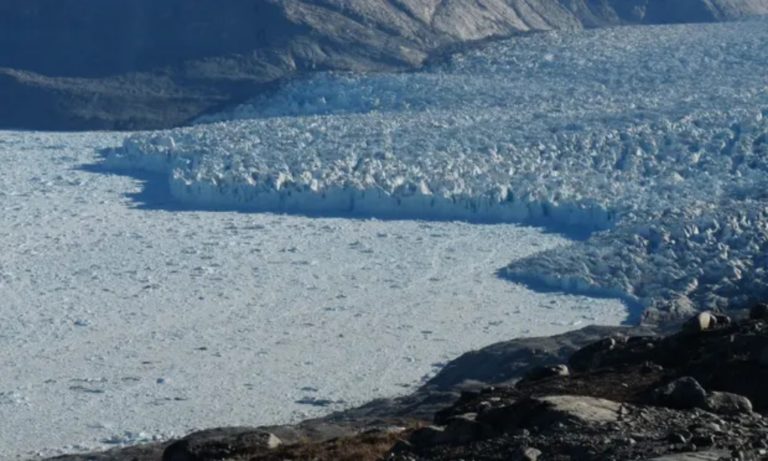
x=85, y=64
x=96, y=38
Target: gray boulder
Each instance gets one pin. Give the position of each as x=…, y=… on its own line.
x=682, y=394
x=727, y=403
x=220, y=444
x=576, y=408
x=527, y=454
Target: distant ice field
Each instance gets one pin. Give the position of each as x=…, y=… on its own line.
x=652, y=139
x=124, y=320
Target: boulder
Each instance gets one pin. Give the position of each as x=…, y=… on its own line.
x=462, y=429
x=700, y=322
x=549, y=410
x=589, y=356
x=578, y=408
x=544, y=372
x=428, y=436
x=727, y=403
x=683, y=393
x=527, y=454
x=221, y=443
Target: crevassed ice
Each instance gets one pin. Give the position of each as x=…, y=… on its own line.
x=656, y=137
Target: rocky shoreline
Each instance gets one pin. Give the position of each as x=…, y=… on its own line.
x=599, y=393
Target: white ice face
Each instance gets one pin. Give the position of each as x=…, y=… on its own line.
x=657, y=137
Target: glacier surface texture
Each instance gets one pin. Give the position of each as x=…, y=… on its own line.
x=653, y=141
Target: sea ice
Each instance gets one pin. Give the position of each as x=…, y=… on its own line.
x=127, y=319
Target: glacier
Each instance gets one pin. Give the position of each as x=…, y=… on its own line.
x=652, y=141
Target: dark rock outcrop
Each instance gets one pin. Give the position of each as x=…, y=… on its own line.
x=683, y=393
x=621, y=405
x=571, y=427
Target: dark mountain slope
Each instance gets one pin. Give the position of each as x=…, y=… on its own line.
x=80, y=64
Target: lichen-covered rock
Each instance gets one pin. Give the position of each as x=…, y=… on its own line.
x=727, y=403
